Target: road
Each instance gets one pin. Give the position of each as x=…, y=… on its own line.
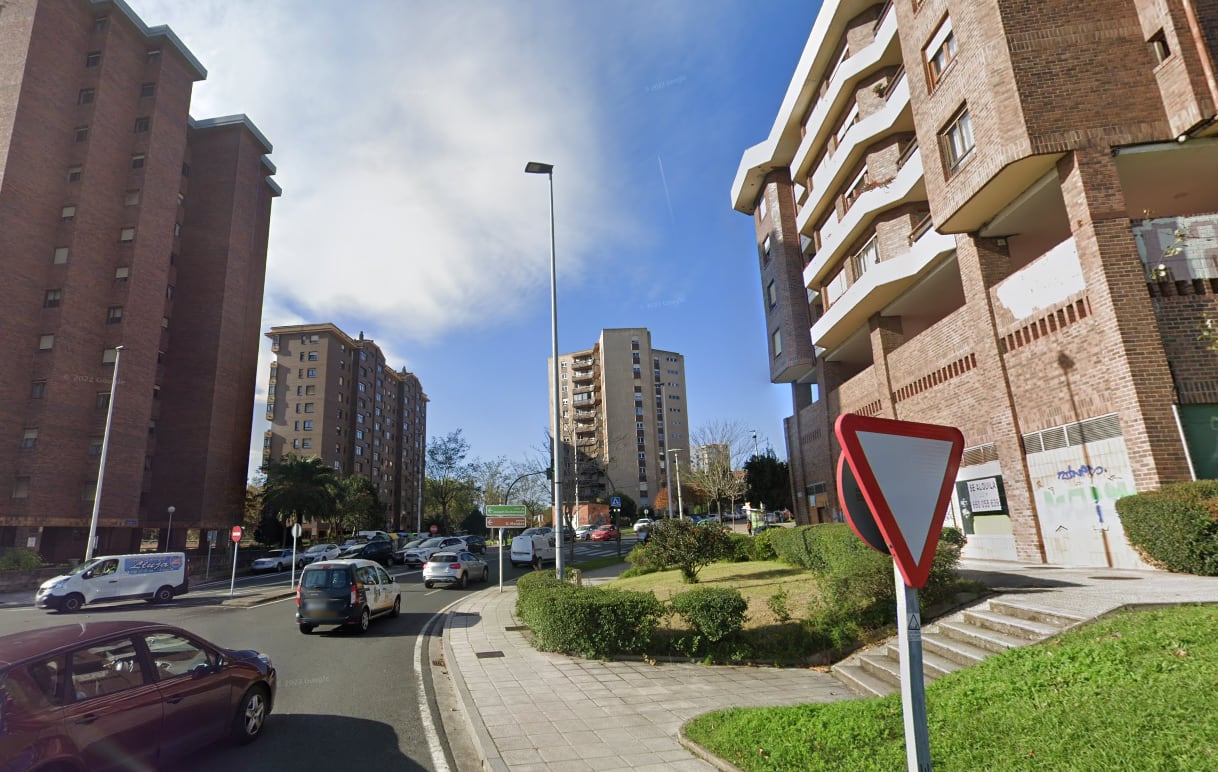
x=376, y=699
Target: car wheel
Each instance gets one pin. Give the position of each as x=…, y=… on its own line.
x=464, y=580
x=486, y=575
x=306, y=628
x=397, y=608
x=365, y=619
x=72, y=603
x=163, y=595
x=279, y=566
x=251, y=715
x=428, y=585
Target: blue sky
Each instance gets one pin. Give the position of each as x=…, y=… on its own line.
x=401, y=130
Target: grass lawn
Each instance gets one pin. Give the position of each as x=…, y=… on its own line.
x=1135, y=691
x=594, y=563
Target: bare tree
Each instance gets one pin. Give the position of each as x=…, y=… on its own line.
x=731, y=434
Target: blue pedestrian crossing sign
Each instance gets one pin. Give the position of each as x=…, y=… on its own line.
x=616, y=501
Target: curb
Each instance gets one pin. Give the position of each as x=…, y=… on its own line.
x=248, y=601
x=720, y=763
x=491, y=760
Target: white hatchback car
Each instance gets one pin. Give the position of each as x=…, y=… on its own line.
x=317, y=552
x=454, y=567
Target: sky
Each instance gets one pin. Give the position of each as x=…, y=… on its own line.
x=400, y=132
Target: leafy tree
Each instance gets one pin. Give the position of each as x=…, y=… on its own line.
x=297, y=488
x=492, y=479
x=252, y=511
x=358, y=506
x=449, y=476
x=688, y=546
x=769, y=481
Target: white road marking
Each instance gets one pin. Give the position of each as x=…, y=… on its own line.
x=432, y=736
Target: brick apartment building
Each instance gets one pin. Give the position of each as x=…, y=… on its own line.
x=1000, y=216
x=334, y=397
x=123, y=222
x=623, y=413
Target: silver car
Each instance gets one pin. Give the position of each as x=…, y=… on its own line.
x=317, y=552
x=454, y=567
x=275, y=560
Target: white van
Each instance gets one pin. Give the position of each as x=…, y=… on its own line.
x=154, y=576
x=530, y=542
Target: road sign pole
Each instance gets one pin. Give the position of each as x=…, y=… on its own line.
x=500, y=560
x=232, y=583
x=913, y=687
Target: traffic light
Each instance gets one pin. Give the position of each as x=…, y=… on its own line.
x=550, y=473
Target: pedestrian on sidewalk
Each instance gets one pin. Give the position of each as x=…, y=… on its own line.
x=748, y=526
x=536, y=558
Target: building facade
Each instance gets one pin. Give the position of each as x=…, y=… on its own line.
x=127, y=226
x=1000, y=217
x=336, y=398
x=624, y=419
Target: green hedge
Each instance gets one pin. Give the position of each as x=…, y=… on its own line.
x=1176, y=526
x=19, y=559
x=715, y=612
x=590, y=621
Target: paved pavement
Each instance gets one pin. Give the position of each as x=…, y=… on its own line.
x=530, y=710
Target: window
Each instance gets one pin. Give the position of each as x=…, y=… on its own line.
x=295, y=444
x=46, y=342
x=137, y=161
x=114, y=314
x=767, y=246
x=310, y=390
x=102, y=400
x=85, y=97
x=1159, y=47
x=21, y=488
x=82, y=133
x=38, y=389
x=308, y=407
x=74, y=174
x=940, y=53
x=108, y=668
x=763, y=208
x=185, y=170
x=177, y=229
x=95, y=446
x=109, y=355
x=142, y=124
x=957, y=140
x=60, y=256
x=93, y=58
x=777, y=338
x=308, y=426
x=126, y=235
x=121, y=273
x=67, y=214
x=147, y=90
x=306, y=443
x=131, y=198
x=154, y=55
x=88, y=491
x=100, y=23
x=772, y=294
x=312, y=356
x=51, y=298
x=311, y=372
x=29, y=439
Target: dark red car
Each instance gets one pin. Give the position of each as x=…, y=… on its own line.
x=604, y=533
x=124, y=695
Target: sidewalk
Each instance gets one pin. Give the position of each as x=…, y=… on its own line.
x=529, y=710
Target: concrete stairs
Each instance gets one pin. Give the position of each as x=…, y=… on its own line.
x=954, y=642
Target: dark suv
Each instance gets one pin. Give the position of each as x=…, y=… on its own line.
x=93, y=694
x=380, y=550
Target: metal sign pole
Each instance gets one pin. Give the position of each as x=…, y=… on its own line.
x=500, y=560
x=232, y=583
x=913, y=688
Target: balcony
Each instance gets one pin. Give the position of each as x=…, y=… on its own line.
x=878, y=285
x=1178, y=248
x=906, y=187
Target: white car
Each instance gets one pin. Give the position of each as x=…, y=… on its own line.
x=583, y=532
x=454, y=567
x=275, y=560
x=317, y=552
x=644, y=523
x=419, y=555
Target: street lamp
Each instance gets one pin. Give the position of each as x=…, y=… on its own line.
x=101, y=466
x=169, y=530
x=533, y=167
x=755, y=453
x=680, y=503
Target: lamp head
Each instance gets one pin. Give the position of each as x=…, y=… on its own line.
x=534, y=167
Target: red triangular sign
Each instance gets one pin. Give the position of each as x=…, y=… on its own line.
x=906, y=471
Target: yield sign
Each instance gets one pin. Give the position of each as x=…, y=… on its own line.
x=905, y=471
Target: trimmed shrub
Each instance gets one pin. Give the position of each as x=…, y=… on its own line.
x=1175, y=527
x=689, y=547
x=762, y=545
x=714, y=612
x=535, y=589
x=19, y=559
x=594, y=622
x=739, y=548
x=645, y=559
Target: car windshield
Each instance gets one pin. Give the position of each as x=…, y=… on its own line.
x=85, y=566
x=320, y=578
x=442, y=557
x=319, y=548
x=276, y=553
x=414, y=543
x=432, y=543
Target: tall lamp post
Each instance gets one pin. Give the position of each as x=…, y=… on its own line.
x=101, y=466
x=680, y=504
x=533, y=167
x=169, y=530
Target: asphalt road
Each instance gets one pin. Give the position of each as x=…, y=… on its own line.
x=378, y=700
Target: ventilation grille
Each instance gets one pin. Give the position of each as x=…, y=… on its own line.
x=1072, y=435
x=982, y=454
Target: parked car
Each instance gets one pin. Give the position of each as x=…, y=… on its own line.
x=533, y=544
x=345, y=592
x=474, y=543
x=86, y=695
x=380, y=550
x=583, y=532
x=644, y=522
x=399, y=554
x=156, y=577
x=454, y=567
x=417, y=556
x=317, y=552
x=275, y=560
x=604, y=533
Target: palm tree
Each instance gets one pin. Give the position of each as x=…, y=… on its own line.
x=298, y=487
